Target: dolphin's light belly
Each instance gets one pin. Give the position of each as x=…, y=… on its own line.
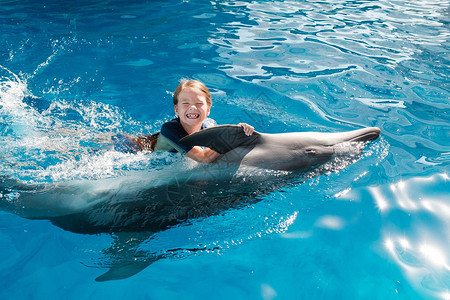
x=278, y=157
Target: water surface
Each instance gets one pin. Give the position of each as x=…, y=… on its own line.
x=74, y=73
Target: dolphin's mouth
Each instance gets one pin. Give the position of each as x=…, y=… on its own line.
x=192, y=116
x=368, y=136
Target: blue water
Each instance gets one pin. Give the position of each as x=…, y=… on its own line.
x=73, y=73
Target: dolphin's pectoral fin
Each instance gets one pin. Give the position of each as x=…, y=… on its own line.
x=123, y=271
x=221, y=139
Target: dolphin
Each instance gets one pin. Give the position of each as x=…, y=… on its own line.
x=282, y=151
x=154, y=200
x=137, y=205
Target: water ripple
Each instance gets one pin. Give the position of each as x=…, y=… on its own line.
x=384, y=60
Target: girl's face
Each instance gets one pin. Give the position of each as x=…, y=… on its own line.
x=192, y=108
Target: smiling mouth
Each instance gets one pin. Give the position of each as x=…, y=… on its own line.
x=192, y=116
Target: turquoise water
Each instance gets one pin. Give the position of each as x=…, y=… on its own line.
x=72, y=74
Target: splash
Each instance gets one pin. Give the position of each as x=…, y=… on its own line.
x=43, y=141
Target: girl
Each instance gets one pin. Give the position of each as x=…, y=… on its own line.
x=192, y=105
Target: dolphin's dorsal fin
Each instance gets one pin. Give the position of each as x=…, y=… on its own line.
x=221, y=138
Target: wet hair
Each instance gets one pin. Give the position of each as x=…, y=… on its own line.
x=193, y=84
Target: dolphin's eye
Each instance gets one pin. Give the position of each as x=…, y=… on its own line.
x=311, y=151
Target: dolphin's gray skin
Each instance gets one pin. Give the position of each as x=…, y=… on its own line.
x=135, y=206
x=282, y=151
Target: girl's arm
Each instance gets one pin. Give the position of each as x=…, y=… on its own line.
x=208, y=155
x=202, y=155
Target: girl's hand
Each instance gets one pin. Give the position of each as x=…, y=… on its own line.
x=247, y=128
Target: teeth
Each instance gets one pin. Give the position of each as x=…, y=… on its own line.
x=192, y=115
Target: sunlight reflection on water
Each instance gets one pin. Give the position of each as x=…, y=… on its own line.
x=415, y=228
x=421, y=248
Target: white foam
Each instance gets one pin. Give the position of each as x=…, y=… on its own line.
x=67, y=140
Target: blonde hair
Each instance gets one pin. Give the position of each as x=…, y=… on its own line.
x=194, y=84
